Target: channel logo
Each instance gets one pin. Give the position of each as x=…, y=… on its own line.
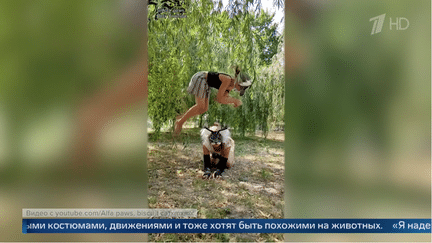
x=401, y=23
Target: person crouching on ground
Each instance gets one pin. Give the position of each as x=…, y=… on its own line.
x=218, y=149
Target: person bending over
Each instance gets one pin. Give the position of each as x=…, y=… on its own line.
x=200, y=85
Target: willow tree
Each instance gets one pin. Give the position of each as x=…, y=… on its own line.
x=212, y=39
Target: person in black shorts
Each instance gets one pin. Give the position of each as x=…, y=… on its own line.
x=200, y=85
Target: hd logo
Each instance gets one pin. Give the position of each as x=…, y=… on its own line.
x=379, y=22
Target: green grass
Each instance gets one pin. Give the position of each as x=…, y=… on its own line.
x=266, y=174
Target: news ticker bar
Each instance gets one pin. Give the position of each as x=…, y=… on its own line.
x=226, y=226
x=108, y=213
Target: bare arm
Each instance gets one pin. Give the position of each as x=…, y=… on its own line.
x=224, y=89
x=230, y=100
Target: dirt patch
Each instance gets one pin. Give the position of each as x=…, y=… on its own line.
x=276, y=135
x=253, y=188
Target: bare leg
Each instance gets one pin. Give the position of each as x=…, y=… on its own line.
x=200, y=107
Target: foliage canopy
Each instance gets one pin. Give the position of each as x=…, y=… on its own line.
x=211, y=38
